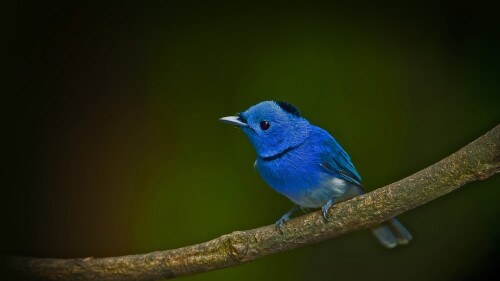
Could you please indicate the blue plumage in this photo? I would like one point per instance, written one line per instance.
(305, 163)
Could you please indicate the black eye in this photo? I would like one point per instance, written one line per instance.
(264, 125)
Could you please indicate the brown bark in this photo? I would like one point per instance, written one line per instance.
(476, 161)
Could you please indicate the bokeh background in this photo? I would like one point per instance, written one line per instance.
(112, 144)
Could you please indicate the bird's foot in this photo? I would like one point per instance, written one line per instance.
(281, 222)
(285, 217)
(326, 207)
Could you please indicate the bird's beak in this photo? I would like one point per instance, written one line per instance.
(234, 120)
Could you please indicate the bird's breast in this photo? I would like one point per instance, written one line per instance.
(298, 176)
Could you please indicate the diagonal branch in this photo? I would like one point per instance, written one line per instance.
(476, 161)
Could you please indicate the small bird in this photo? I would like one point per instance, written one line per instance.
(305, 163)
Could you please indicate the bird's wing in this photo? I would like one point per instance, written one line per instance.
(335, 160)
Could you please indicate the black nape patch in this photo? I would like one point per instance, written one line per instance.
(288, 107)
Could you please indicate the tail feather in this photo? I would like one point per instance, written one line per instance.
(392, 233)
(385, 236)
(402, 234)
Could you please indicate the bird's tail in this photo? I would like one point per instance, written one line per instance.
(391, 233)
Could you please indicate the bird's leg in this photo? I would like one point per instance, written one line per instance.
(326, 207)
(285, 217)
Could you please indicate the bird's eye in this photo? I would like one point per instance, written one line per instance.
(264, 125)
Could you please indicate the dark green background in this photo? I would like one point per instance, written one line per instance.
(112, 144)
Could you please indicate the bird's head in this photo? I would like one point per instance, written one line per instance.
(272, 127)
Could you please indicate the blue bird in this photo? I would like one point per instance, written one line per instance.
(305, 163)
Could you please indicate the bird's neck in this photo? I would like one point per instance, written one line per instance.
(279, 154)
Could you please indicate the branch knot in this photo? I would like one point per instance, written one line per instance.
(237, 244)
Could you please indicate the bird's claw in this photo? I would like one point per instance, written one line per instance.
(280, 223)
(285, 218)
(326, 207)
(324, 211)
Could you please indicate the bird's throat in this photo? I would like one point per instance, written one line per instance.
(279, 155)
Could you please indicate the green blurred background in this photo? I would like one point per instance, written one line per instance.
(112, 144)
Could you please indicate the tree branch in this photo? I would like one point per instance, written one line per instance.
(476, 161)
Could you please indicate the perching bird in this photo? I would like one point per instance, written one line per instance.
(305, 163)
